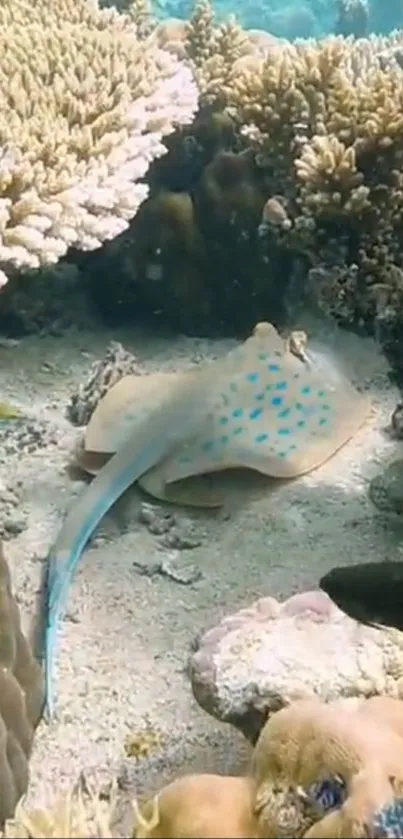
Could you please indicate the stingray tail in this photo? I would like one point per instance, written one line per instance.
(50, 645)
(58, 575)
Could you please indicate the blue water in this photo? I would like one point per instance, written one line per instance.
(299, 18)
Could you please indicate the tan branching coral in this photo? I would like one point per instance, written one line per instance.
(85, 105)
(325, 121)
(141, 14)
(213, 50)
(77, 814)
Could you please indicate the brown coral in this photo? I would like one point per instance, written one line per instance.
(21, 699)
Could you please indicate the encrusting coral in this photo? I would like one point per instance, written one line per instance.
(85, 104)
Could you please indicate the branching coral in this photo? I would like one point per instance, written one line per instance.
(325, 122)
(85, 105)
(74, 815)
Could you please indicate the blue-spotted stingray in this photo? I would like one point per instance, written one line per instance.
(265, 406)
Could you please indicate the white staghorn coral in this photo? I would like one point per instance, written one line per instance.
(85, 106)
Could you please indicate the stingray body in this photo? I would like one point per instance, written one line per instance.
(370, 592)
(264, 406)
(279, 413)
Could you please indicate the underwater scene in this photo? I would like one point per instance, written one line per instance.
(201, 419)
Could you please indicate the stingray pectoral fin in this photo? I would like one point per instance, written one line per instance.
(91, 462)
(179, 419)
(194, 491)
(127, 405)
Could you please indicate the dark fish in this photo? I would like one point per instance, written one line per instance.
(371, 592)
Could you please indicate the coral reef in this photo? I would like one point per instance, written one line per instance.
(286, 186)
(21, 699)
(317, 770)
(85, 104)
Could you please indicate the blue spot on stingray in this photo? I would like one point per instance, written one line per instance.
(281, 386)
(323, 421)
(207, 446)
(238, 430)
(299, 406)
(274, 368)
(252, 377)
(269, 387)
(284, 432)
(224, 439)
(282, 454)
(234, 387)
(259, 397)
(306, 390)
(277, 400)
(284, 413)
(321, 393)
(223, 420)
(326, 407)
(237, 412)
(301, 423)
(263, 356)
(256, 413)
(261, 438)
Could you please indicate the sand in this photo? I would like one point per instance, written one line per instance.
(125, 641)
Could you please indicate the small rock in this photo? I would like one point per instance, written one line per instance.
(158, 521)
(103, 374)
(386, 489)
(13, 524)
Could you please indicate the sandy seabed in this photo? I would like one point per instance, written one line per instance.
(127, 634)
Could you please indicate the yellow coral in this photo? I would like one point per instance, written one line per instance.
(84, 107)
(72, 816)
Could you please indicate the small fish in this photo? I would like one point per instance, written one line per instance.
(370, 593)
(9, 412)
(274, 214)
